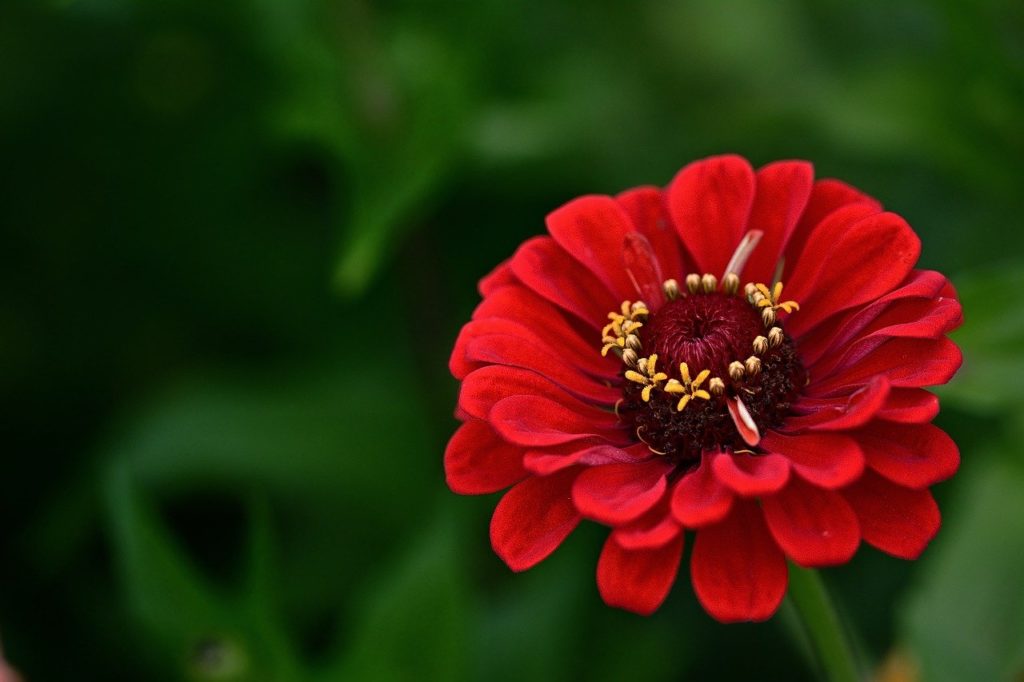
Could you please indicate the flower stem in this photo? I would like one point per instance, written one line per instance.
(822, 626)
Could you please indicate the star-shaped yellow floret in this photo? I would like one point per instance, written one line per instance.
(772, 297)
(622, 324)
(689, 388)
(647, 375)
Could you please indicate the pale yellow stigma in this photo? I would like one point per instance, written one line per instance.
(689, 388)
(647, 375)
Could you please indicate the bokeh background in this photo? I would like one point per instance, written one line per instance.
(241, 236)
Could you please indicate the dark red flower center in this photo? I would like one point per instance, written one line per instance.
(753, 373)
(706, 331)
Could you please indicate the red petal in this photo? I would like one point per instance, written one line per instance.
(915, 456)
(484, 387)
(827, 197)
(532, 519)
(542, 265)
(910, 406)
(844, 266)
(738, 572)
(750, 475)
(896, 520)
(504, 349)
(498, 277)
(837, 331)
(533, 422)
(583, 357)
(840, 413)
(542, 319)
(591, 229)
(477, 461)
(646, 209)
(814, 527)
(617, 493)
(906, 363)
(710, 203)
(783, 189)
(908, 318)
(552, 459)
(637, 580)
(828, 460)
(699, 498)
(654, 529)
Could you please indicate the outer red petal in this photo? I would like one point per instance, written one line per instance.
(709, 202)
(827, 197)
(477, 461)
(552, 459)
(532, 519)
(545, 267)
(814, 527)
(906, 363)
(483, 331)
(844, 266)
(828, 460)
(840, 413)
(750, 475)
(829, 333)
(783, 189)
(498, 277)
(738, 572)
(592, 230)
(654, 529)
(910, 406)
(699, 498)
(908, 318)
(532, 421)
(473, 352)
(617, 493)
(637, 580)
(913, 455)
(484, 387)
(896, 520)
(525, 307)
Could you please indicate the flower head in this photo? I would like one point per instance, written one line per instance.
(770, 407)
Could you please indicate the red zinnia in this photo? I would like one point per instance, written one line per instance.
(772, 422)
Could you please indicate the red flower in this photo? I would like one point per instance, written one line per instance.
(644, 367)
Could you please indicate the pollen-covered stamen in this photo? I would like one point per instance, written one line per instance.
(688, 388)
(693, 282)
(730, 283)
(647, 375)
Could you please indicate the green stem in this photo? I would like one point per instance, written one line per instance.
(822, 626)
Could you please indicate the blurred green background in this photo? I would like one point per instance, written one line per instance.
(240, 238)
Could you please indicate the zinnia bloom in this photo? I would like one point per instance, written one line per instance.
(741, 356)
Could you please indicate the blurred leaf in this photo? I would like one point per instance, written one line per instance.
(992, 339)
(414, 625)
(389, 101)
(965, 621)
(213, 636)
(342, 433)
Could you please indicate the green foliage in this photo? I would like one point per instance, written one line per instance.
(965, 620)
